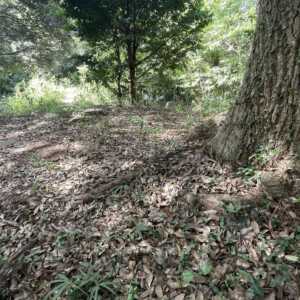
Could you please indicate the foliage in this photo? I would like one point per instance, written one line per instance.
(215, 72)
(36, 96)
(34, 37)
(132, 293)
(10, 76)
(46, 94)
(137, 37)
(36, 30)
(87, 284)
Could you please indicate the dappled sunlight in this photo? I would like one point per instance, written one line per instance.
(30, 147)
(38, 125)
(115, 192)
(149, 150)
(12, 135)
(70, 95)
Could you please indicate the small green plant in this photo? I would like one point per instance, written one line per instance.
(143, 125)
(152, 130)
(142, 231)
(139, 197)
(282, 275)
(133, 290)
(296, 200)
(184, 258)
(3, 260)
(249, 173)
(233, 208)
(172, 144)
(38, 162)
(138, 121)
(88, 284)
(188, 277)
(205, 267)
(264, 155)
(255, 290)
(67, 237)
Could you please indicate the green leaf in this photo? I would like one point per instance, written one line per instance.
(292, 258)
(255, 286)
(206, 268)
(188, 276)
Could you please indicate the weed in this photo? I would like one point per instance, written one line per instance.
(152, 130)
(172, 144)
(88, 284)
(184, 258)
(250, 174)
(233, 208)
(264, 155)
(296, 200)
(38, 162)
(138, 121)
(133, 290)
(3, 260)
(255, 291)
(187, 277)
(67, 237)
(142, 231)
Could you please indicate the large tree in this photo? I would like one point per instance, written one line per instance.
(139, 35)
(267, 111)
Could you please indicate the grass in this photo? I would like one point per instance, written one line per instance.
(22, 104)
(88, 284)
(46, 95)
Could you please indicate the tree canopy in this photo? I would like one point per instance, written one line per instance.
(142, 36)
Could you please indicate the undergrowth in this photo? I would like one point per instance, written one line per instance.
(88, 284)
(42, 94)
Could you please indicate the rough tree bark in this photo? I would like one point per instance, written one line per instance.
(132, 49)
(267, 111)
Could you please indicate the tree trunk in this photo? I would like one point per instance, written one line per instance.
(267, 111)
(131, 52)
(132, 80)
(119, 74)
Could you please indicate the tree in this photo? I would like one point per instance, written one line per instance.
(33, 37)
(267, 111)
(140, 34)
(30, 30)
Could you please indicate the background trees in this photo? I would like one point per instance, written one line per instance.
(202, 72)
(139, 36)
(32, 34)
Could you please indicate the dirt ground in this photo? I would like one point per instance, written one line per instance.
(124, 198)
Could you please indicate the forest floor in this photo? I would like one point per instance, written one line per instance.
(124, 206)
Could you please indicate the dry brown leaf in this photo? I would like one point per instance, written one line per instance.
(272, 296)
(180, 297)
(159, 292)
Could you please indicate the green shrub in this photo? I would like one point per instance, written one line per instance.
(45, 95)
(38, 95)
(217, 70)
(91, 94)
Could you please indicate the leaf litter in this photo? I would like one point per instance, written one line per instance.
(125, 207)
